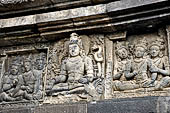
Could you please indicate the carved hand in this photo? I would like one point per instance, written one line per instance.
(83, 80)
(135, 72)
(15, 82)
(28, 89)
(10, 94)
(154, 69)
(50, 85)
(23, 87)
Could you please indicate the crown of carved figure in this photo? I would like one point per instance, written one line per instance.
(27, 59)
(75, 39)
(142, 43)
(159, 42)
(120, 45)
(15, 62)
(155, 43)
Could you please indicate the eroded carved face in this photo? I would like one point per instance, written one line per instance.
(154, 51)
(139, 52)
(122, 53)
(27, 66)
(40, 64)
(74, 50)
(14, 70)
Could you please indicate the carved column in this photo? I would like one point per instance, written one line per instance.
(168, 39)
(110, 61)
(109, 67)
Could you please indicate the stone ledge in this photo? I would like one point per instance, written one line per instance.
(126, 105)
(42, 6)
(99, 18)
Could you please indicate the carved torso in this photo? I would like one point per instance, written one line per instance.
(121, 68)
(75, 68)
(161, 63)
(29, 79)
(140, 66)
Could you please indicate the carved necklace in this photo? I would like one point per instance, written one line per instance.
(74, 60)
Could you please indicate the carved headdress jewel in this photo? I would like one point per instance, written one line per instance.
(75, 39)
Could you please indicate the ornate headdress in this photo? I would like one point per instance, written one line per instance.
(155, 43)
(142, 43)
(75, 39)
(28, 58)
(15, 62)
(120, 45)
(159, 42)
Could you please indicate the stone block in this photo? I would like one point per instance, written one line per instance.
(128, 105)
(127, 4)
(66, 108)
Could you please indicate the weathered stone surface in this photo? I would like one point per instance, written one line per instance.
(134, 105)
(17, 110)
(67, 108)
(104, 51)
(97, 18)
(128, 4)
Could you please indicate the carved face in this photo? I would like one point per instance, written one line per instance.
(122, 53)
(27, 66)
(154, 51)
(40, 64)
(74, 50)
(100, 89)
(139, 52)
(14, 70)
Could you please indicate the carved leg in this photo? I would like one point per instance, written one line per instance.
(28, 96)
(77, 90)
(121, 86)
(153, 79)
(165, 82)
(6, 97)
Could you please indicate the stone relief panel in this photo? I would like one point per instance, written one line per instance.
(86, 68)
(76, 69)
(22, 75)
(141, 65)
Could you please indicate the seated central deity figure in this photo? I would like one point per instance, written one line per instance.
(76, 70)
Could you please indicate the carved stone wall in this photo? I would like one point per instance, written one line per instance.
(86, 68)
